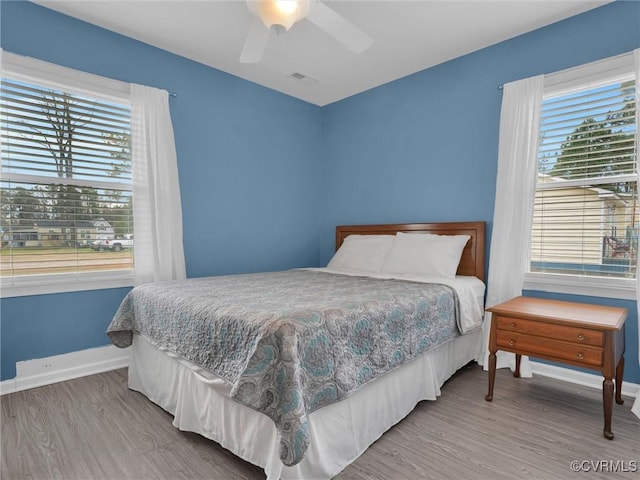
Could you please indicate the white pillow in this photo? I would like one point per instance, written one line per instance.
(425, 254)
(365, 253)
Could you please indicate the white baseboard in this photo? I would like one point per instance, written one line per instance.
(45, 371)
(580, 378)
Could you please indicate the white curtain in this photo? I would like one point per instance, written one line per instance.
(157, 212)
(515, 192)
(636, 54)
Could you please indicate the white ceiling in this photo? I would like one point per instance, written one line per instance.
(409, 36)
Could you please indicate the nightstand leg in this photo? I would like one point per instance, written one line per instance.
(492, 375)
(518, 359)
(619, 374)
(607, 401)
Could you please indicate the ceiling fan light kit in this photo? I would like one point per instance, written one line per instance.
(281, 15)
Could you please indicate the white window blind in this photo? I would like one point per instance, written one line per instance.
(586, 216)
(66, 194)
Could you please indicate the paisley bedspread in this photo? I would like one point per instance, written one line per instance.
(291, 342)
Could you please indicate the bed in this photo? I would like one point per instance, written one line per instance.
(302, 370)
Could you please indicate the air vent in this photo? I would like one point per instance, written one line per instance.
(301, 77)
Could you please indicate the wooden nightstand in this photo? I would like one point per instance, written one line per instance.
(588, 336)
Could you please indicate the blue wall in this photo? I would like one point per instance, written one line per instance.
(423, 148)
(46, 325)
(248, 160)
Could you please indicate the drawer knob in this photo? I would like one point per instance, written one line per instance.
(580, 355)
(580, 337)
(512, 342)
(512, 324)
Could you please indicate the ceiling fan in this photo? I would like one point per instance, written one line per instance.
(282, 14)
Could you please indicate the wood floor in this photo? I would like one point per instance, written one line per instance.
(94, 427)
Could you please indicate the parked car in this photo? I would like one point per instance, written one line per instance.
(115, 244)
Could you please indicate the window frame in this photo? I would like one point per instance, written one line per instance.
(602, 72)
(53, 76)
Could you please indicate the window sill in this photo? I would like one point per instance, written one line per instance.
(61, 283)
(621, 288)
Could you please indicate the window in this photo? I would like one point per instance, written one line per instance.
(65, 186)
(586, 214)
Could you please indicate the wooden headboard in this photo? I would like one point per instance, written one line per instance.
(472, 261)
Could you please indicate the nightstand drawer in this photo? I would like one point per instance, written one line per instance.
(547, 347)
(559, 332)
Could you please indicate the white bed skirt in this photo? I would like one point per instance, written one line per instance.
(339, 433)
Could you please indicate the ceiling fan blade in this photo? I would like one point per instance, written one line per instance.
(339, 27)
(255, 43)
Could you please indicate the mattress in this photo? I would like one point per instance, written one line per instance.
(339, 433)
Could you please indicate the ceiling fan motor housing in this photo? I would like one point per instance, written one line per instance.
(281, 13)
